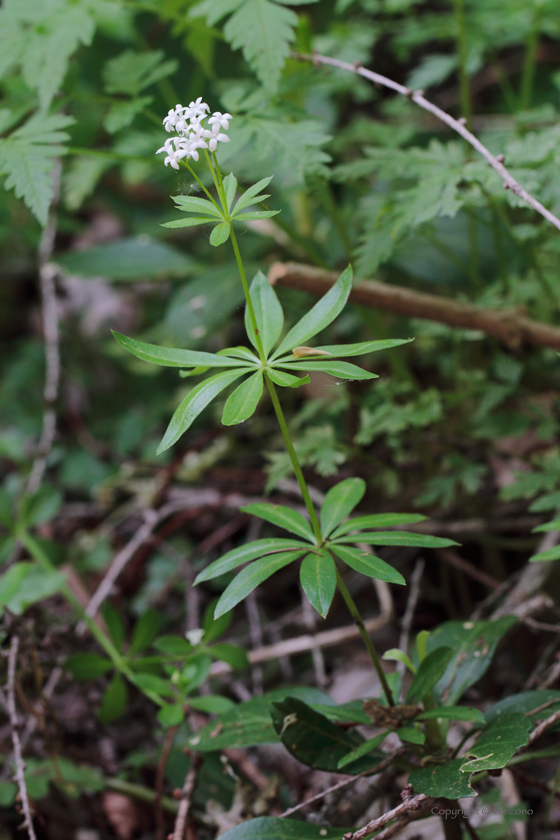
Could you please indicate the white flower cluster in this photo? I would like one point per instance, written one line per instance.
(191, 132)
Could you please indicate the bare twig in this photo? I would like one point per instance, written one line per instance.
(413, 804)
(402, 822)
(456, 125)
(186, 797)
(455, 560)
(344, 783)
(541, 728)
(508, 326)
(408, 616)
(18, 758)
(47, 276)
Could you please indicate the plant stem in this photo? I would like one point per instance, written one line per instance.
(354, 612)
(199, 182)
(248, 300)
(530, 62)
(294, 459)
(462, 55)
(35, 550)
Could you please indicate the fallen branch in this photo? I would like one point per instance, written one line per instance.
(541, 728)
(457, 125)
(509, 326)
(415, 803)
(186, 797)
(14, 724)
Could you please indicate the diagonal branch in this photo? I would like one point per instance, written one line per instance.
(508, 326)
(456, 125)
(14, 723)
(415, 803)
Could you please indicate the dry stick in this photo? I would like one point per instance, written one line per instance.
(186, 797)
(413, 804)
(455, 560)
(47, 276)
(402, 822)
(507, 325)
(408, 616)
(378, 769)
(18, 758)
(541, 728)
(456, 125)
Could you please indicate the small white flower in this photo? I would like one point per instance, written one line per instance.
(171, 120)
(171, 153)
(219, 120)
(213, 143)
(195, 636)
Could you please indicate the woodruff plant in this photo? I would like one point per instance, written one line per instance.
(326, 542)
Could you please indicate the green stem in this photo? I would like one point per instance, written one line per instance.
(250, 308)
(199, 182)
(354, 612)
(35, 550)
(530, 62)
(462, 54)
(294, 459)
(141, 793)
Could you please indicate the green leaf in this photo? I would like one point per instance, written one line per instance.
(442, 780)
(240, 353)
(474, 643)
(155, 684)
(546, 556)
(343, 370)
(121, 114)
(406, 538)
(363, 749)
(396, 655)
(131, 258)
(378, 520)
(274, 828)
(214, 628)
(340, 501)
(174, 646)
(320, 315)
(194, 403)
(286, 380)
(430, 671)
(251, 195)
(114, 622)
(249, 723)
(255, 215)
(87, 666)
(191, 221)
(115, 700)
(452, 713)
(211, 704)
(498, 743)
(245, 553)
(190, 203)
(35, 586)
(26, 158)
(220, 234)
(268, 313)
(411, 734)
(131, 71)
(525, 701)
(283, 517)
(232, 654)
(171, 715)
(145, 631)
(264, 31)
(41, 506)
(230, 188)
(344, 350)
(12, 582)
(313, 739)
(367, 564)
(243, 402)
(318, 579)
(248, 579)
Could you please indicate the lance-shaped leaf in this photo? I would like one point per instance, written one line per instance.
(192, 204)
(172, 356)
(255, 215)
(367, 564)
(251, 195)
(276, 828)
(240, 353)
(230, 188)
(268, 313)
(344, 350)
(321, 315)
(194, 403)
(378, 520)
(250, 577)
(220, 234)
(282, 516)
(191, 221)
(242, 403)
(318, 579)
(452, 713)
(363, 749)
(406, 538)
(431, 670)
(245, 553)
(340, 501)
(343, 370)
(286, 380)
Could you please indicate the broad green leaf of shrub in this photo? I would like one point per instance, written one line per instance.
(248, 579)
(430, 671)
(367, 564)
(524, 702)
(318, 578)
(274, 828)
(442, 780)
(26, 158)
(268, 313)
(245, 553)
(498, 743)
(340, 501)
(36, 585)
